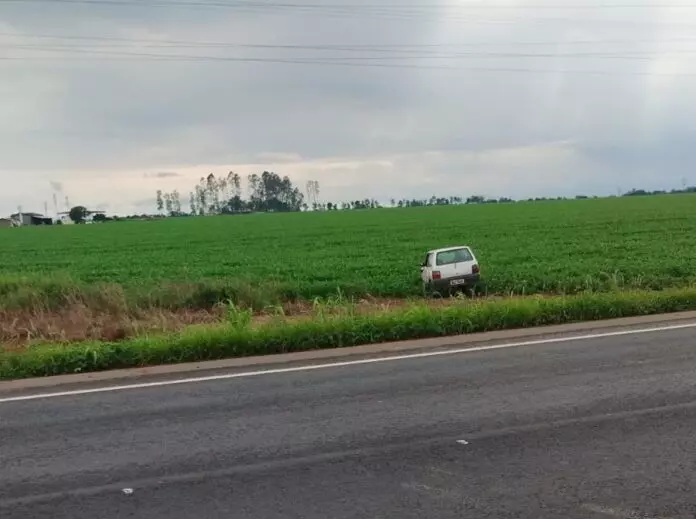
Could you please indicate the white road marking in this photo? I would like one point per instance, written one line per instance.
(417, 486)
(312, 367)
(128, 491)
(618, 512)
(462, 442)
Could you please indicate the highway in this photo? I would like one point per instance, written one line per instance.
(598, 427)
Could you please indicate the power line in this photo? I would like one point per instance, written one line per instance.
(372, 55)
(414, 55)
(358, 6)
(349, 62)
(403, 12)
(403, 51)
(351, 46)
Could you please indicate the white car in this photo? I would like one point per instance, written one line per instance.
(453, 268)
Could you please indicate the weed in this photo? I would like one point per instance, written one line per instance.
(236, 338)
(239, 318)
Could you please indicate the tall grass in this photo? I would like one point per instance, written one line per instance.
(55, 292)
(236, 338)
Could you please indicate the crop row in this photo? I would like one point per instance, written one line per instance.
(551, 247)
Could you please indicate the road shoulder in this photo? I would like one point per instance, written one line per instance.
(344, 354)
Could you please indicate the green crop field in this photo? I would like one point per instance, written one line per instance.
(560, 247)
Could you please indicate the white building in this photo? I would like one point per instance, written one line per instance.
(65, 219)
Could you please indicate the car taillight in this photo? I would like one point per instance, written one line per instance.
(475, 269)
(437, 275)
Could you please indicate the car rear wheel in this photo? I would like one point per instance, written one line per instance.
(429, 290)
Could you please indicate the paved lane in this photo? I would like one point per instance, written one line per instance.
(596, 428)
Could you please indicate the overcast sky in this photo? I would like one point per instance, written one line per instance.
(534, 98)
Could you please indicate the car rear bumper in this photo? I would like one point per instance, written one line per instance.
(460, 281)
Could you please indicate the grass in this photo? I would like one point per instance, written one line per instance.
(237, 337)
(128, 293)
(260, 260)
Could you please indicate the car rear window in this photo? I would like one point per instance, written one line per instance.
(453, 256)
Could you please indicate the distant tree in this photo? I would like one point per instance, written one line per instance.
(234, 184)
(78, 214)
(221, 194)
(267, 192)
(637, 192)
(213, 194)
(201, 198)
(160, 201)
(228, 192)
(313, 191)
(176, 202)
(255, 191)
(234, 205)
(168, 205)
(270, 192)
(100, 217)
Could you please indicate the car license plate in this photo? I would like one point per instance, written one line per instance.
(456, 282)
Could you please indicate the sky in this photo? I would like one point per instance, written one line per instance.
(106, 101)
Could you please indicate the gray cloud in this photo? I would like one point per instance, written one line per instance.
(510, 102)
(162, 174)
(143, 205)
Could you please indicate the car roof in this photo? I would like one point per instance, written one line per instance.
(447, 249)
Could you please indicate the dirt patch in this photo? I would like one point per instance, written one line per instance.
(79, 323)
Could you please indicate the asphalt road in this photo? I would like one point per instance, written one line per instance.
(585, 429)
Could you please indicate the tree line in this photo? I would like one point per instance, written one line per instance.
(269, 192)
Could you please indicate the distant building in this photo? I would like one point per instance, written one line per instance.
(30, 219)
(64, 217)
(5, 223)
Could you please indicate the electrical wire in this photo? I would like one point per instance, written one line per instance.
(356, 6)
(374, 55)
(419, 55)
(346, 62)
(403, 12)
(381, 47)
